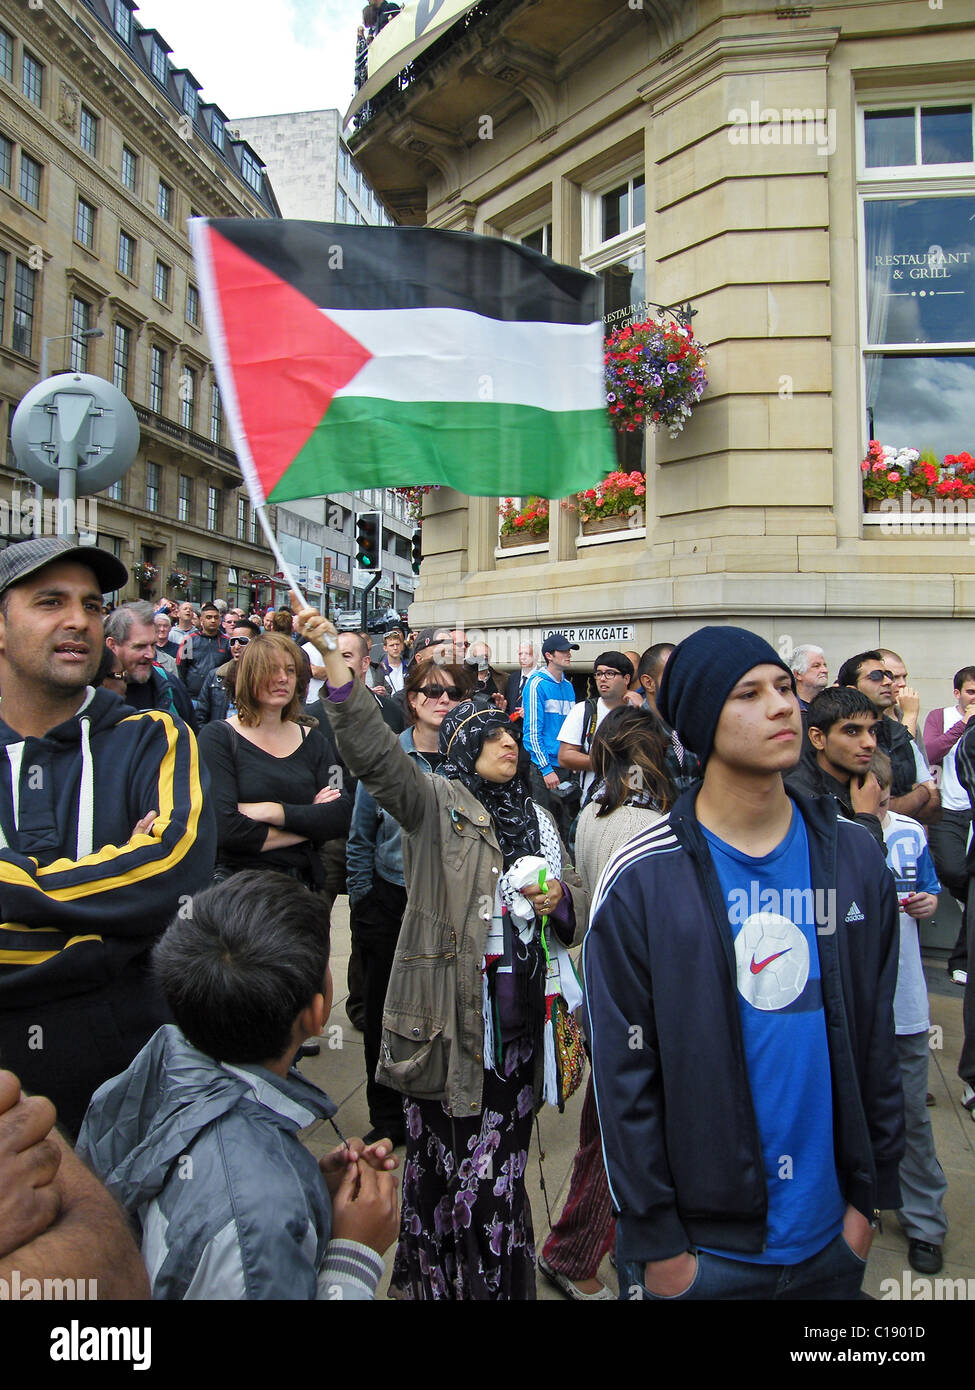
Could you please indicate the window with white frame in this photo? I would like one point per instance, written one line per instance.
(189, 99)
(153, 473)
(6, 160)
(32, 82)
(193, 305)
(160, 282)
(25, 284)
(216, 130)
(917, 254)
(157, 379)
(159, 63)
(80, 323)
(6, 55)
(216, 414)
(88, 131)
(130, 166)
(184, 499)
(251, 170)
(164, 201)
(213, 510)
(187, 397)
(30, 180)
(539, 239)
(123, 21)
(241, 518)
(126, 255)
(121, 352)
(614, 248)
(84, 226)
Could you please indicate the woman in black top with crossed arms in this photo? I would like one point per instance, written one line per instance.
(277, 786)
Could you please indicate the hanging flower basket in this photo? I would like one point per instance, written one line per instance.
(523, 525)
(655, 374)
(179, 581)
(414, 500)
(144, 574)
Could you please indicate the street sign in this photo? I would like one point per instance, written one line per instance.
(609, 632)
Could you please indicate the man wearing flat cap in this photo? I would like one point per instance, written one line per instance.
(740, 970)
(103, 829)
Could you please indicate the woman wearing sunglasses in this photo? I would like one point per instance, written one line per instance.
(217, 698)
(374, 874)
(276, 784)
(464, 1027)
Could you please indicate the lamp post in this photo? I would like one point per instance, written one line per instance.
(65, 337)
(81, 333)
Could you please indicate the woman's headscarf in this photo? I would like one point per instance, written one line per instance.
(509, 804)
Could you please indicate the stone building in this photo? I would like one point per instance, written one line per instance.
(106, 149)
(804, 176)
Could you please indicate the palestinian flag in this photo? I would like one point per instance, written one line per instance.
(358, 357)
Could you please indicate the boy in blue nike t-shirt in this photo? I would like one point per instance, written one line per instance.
(740, 969)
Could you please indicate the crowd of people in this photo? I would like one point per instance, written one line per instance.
(746, 848)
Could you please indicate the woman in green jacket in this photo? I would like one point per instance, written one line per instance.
(464, 1028)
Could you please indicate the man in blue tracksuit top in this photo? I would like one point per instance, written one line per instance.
(740, 970)
(548, 699)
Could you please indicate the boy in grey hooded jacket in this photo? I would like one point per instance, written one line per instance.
(198, 1138)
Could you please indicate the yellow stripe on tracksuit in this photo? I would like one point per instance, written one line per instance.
(37, 957)
(109, 855)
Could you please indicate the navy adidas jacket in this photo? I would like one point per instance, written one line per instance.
(680, 1139)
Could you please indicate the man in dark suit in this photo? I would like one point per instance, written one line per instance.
(516, 681)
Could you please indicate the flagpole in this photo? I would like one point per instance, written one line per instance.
(285, 569)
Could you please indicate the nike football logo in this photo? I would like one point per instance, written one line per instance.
(757, 967)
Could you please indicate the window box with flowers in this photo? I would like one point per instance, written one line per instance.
(908, 481)
(615, 505)
(523, 523)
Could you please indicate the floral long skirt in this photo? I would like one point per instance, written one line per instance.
(466, 1225)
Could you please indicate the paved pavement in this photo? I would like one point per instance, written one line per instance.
(340, 1070)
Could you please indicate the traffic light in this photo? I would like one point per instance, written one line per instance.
(416, 549)
(369, 541)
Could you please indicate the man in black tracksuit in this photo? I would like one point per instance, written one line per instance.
(740, 969)
(203, 651)
(841, 736)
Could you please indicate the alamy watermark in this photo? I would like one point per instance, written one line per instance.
(928, 516)
(25, 1290)
(772, 125)
(26, 516)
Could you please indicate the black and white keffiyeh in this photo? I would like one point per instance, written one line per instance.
(509, 804)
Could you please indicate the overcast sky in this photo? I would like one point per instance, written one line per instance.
(262, 57)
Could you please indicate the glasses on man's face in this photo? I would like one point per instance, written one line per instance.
(241, 641)
(434, 692)
(602, 674)
(878, 676)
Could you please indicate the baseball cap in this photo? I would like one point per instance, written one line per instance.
(558, 642)
(616, 661)
(20, 561)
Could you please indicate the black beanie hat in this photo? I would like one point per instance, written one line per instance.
(700, 675)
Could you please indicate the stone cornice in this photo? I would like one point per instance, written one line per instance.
(771, 51)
